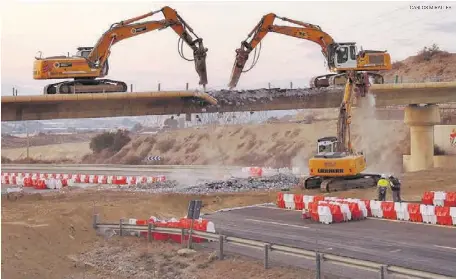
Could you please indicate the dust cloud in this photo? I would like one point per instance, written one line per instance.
(380, 140)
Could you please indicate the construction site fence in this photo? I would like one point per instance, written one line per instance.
(383, 270)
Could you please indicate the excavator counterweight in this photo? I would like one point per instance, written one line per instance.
(91, 63)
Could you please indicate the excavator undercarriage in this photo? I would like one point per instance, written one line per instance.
(86, 86)
(339, 80)
(334, 184)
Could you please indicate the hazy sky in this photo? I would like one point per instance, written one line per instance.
(56, 28)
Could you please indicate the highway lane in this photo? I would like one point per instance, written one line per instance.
(417, 246)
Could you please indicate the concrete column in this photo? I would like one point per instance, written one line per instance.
(421, 120)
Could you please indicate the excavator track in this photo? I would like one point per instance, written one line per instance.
(334, 80)
(334, 184)
(81, 86)
(320, 81)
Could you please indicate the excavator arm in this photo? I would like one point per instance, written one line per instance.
(356, 86)
(304, 31)
(130, 28)
(344, 120)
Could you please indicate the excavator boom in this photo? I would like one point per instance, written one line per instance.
(85, 68)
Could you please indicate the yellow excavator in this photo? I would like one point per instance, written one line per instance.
(340, 57)
(91, 63)
(337, 166)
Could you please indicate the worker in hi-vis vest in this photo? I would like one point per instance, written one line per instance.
(382, 186)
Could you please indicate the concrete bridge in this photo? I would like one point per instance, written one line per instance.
(421, 113)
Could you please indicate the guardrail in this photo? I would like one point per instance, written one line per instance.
(382, 269)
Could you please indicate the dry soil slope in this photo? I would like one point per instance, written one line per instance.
(275, 145)
(440, 67)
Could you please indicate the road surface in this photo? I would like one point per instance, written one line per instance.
(416, 246)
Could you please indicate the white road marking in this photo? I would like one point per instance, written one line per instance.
(409, 222)
(446, 247)
(284, 209)
(276, 223)
(397, 250)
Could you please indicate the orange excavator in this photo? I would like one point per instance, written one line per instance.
(91, 63)
(340, 57)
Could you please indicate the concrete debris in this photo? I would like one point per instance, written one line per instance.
(157, 185)
(234, 97)
(278, 181)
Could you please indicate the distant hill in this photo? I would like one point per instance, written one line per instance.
(430, 64)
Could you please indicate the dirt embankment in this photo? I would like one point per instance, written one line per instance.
(46, 148)
(283, 144)
(53, 153)
(269, 145)
(425, 66)
(41, 139)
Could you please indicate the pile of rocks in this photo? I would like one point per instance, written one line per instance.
(278, 181)
(168, 184)
(245, 96)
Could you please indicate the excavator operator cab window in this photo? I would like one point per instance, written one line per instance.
(353, 52)
(83, 53)
(326, 146)
(346, 56)
(342, 55)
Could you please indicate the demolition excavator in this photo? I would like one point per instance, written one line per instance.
(337, 166)
(91, 63)
(340, 57)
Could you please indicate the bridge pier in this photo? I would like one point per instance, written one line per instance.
(421, 120)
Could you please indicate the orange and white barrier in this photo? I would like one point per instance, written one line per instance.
(439, 198)
(57, 181)
(324, 209)
(183, 223)
(253, 171)
(333, 209)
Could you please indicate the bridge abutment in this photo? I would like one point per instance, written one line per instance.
(421, 120)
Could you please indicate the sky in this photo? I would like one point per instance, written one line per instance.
(58, 27)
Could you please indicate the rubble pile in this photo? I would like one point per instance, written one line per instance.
(168, 184)
(234, 97)
(278, 181)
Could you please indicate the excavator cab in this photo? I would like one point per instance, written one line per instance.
(346, 54)
(83, 52)
(326, 145)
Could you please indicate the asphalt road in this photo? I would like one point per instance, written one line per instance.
(416, 246)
